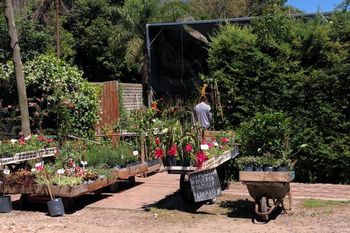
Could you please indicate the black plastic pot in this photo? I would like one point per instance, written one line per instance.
(268, 169)
(248, 168)
(282, 169)
(5, 204)
(258, 169)
(56, 207)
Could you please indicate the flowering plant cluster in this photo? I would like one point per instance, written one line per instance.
(190, 153)
(23, 144)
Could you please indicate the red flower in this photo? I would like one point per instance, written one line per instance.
(188, 148)
(154, 106)
(172, 151)
(201, 158)
(49, 140)
(224, 140)
(157, 140)
(158, 153)
(41, 138)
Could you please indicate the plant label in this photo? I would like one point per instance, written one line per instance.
(204, 147)
(6, 171)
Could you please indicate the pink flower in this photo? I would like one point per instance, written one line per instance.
(21, 141)
(201, 158)
(172, 151)
(224, 140)
(188, 148)
(210, 145)
(39, 168)
(158, 153)
(32, 104)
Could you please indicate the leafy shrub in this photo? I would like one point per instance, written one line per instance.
(298, 67)
(264, 134)
(59, 96)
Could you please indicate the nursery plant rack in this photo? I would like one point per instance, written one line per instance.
(217, 165)
(29, 155)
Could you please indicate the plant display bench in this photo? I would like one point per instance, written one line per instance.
(205, 183)
(153, 166)
(68, 193)
(130, 172)
(268, 190)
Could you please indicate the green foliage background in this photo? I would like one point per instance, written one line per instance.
(300, 68)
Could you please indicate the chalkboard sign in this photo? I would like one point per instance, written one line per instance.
(205, 185)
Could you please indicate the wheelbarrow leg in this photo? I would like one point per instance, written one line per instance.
(290, 200)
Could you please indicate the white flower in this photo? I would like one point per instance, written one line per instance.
(216, 144)
(33, 170)
(28, 137)
(135, 153)
(13, 141)
(204, 147)
(60, 171)
(154, 120)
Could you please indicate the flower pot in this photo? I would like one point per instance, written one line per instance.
(268, 169)
(282, 169)
(172, 161)
(248, 168)
(186, 162)
(5, 204)
(258, 169)
(55, 207)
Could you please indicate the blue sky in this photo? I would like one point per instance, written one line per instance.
(310, 6)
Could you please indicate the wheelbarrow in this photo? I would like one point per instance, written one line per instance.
(268, 189)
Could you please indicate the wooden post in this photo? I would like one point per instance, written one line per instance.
(142, 142)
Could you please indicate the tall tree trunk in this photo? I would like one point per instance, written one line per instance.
(22, 93)
(58, 38)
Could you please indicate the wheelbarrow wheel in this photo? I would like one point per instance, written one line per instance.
(263, 206)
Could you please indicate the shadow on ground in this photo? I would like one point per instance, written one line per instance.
(175, 202)
(246, 209)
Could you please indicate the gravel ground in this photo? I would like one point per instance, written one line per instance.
(229, 214)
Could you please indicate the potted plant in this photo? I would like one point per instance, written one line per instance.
(246, 163)
(5, 201)
(55, 206)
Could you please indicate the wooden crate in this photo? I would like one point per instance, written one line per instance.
(253, 176)
(125, 173)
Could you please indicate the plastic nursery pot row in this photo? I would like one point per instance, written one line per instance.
(265, 169)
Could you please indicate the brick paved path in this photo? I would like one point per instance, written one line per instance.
(156, 187)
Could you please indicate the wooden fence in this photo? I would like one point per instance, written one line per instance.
(131, 97)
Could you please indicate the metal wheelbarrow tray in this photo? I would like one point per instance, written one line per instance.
(268, 189)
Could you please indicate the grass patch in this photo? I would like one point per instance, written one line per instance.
(315, 203)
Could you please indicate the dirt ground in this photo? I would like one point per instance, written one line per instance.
(228, 214)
